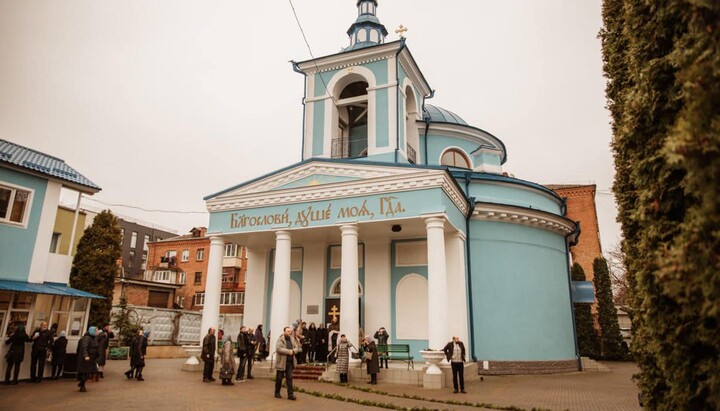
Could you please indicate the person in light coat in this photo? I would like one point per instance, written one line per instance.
(227, 361)
(285, 348)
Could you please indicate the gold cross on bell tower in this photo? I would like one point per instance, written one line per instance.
(401, 31)
(334, 312)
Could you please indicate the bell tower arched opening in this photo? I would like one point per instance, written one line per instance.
(412, 139)
(350, 118)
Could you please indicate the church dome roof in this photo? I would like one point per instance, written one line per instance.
(440, 115)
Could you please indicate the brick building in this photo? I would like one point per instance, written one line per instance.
(581, 208)
(135, 239)
(182, 261)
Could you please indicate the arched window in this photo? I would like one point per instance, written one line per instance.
(454, 157)
(412, 140)
(352, 127)
(335, 289)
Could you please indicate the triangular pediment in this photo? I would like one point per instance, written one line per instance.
(318, 180)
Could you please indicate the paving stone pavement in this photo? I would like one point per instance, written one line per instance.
(167, 387)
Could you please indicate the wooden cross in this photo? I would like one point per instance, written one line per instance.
(401, 31)
(334, 312)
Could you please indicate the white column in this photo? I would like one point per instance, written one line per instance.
(349, 311)
(255, 288)
(437, 283)
(213, 286)
(280, 304)
(457, 289)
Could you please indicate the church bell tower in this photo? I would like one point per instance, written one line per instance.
(367, 31)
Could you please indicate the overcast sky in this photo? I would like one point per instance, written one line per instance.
(162, 102)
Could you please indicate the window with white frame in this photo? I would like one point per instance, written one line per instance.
(231, 250)
(55, 243)
(14, 204)
(146, 240)
(143, 265)
(131, 260)
(232, 298)
(185, 256)
(133, 239)
(163, 276)
(199, 299)
(200, 255)
(228, 278)
(180, 301)
(182, 277)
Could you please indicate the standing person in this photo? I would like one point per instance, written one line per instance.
(382, 337)
(208, 355)
(243, 345)
(455, 353)
(251, 352)
(262, 344)
(333, 331)
(371, 358)
(16, 353)
(59, 353)
(103, 340)
(42, 339)
(312, 347)
(300, 338)
(87, 354)
(138, 348)
(343, 358)
(227, 361)
(285, 348)
(321, 351)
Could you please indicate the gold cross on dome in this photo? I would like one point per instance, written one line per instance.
(334, 312)
(401, 31)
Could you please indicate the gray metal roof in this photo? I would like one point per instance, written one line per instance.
(440, 115)
(23, 157)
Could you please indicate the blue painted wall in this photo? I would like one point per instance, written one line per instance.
(521, 299)
(17, 243)
(511, 194)
(318, 128)
(396, 274)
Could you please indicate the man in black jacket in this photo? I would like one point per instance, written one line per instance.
(455, 353)
(243, 346)
(208, 355)
(42, 341)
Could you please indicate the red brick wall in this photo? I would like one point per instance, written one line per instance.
(136, 294)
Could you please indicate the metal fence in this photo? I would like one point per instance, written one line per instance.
(176, 327)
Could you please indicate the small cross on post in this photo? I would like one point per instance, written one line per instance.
(401, 31)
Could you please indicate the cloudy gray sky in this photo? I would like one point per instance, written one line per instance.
(161, 102)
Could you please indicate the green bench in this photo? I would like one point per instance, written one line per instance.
(396, 352)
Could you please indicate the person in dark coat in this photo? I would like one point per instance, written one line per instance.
(262, 344)
(103, 340)
(321, 349)
(42, 339)
(455, 353)
(138, 349)
(243, 348)
(372, 360)
(382, 337)
(16, 353)
(59, 353)
(208, 355)
(313, 337)
(87, 353)
(251, 353)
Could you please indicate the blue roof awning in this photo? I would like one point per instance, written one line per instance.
(45, 288)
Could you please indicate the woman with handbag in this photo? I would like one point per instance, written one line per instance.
(372, 359)
(227, 361)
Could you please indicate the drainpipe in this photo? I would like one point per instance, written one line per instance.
(468, 258)
(297, 70)
(575, 231)
(397, 98)
(427, 124)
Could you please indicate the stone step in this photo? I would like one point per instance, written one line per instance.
(591, 365)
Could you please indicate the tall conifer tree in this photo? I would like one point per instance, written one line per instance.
(663, 68)
(587, 336)
(95, 264)
(611, 339)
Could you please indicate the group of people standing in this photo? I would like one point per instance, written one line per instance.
(46, 347)
(250, 343)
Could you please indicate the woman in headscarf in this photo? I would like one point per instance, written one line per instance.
(262, 345)
(15, 353)
(138, 348)
(343, 358)
(372, 359)
(59, 352)
(227, 360)
(87, 354)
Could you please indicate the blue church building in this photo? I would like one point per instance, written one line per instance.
(400, 216)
